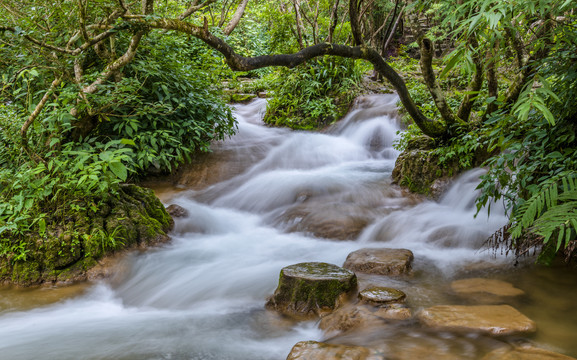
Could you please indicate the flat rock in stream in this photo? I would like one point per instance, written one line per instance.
(313, 350)
(309, 290)
(485, 290)
(361, 316)
(525, 353)
(382, 295)
(380, 261)
(488, 319)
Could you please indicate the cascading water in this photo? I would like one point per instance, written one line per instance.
(202, 296)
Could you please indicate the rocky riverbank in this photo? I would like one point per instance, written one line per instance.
(349, 310)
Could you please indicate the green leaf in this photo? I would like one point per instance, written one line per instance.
(119, 169)
(128, 142)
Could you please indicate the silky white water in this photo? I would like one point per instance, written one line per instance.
(202, 296)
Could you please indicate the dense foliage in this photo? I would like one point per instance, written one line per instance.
(325, 90)
(96, 93)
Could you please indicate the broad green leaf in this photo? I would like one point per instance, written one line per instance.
(119, 170)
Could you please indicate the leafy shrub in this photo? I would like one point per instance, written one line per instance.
(314, 94)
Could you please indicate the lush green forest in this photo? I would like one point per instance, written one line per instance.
(99, 94)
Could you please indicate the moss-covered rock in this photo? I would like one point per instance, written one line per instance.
(67, 251)
(309, 290)
(418, 168)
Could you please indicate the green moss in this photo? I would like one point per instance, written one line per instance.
(241, 98)
(311, 288)
(67, 251)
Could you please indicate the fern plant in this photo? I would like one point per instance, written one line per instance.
(551, 214)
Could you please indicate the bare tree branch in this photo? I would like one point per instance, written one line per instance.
(236, 17)
(194, 8)
(33, 116)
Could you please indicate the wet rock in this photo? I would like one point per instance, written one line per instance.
(485, 290)
(380, 261)
(312, 350)
(241, 98)
(262, 94)
(489, 319)
(525, 353)
(382, 295)
(176, 211)
(309, 290)
(343, 222)
(362, 317)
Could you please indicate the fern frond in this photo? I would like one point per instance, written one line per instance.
(559, 221)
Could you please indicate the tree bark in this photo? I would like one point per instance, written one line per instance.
(333, 21)
(355, 24)
(426, 62)
(236, 17)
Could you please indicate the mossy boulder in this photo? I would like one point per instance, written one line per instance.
(310, 290)
(68, 250)
(418, 168)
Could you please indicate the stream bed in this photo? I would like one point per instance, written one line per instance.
(268, 198)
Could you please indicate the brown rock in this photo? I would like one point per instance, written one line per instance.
(343, 222)
(312, 289)
(380, 261)
(485, 290)
(490, 319)
(382, 295)
(525, 353)
(176, 211)
(362, 317)
(312, 350)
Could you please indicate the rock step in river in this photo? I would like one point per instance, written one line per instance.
(315, 289)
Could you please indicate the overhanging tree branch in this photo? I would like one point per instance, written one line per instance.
(241, 63)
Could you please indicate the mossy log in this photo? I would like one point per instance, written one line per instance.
(309, 290)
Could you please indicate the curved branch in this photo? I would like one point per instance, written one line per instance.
(33, 116)
(194, 8)
(466, 106)
(241, 63)
(426, 62)
(236, 17)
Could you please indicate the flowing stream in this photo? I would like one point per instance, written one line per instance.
(265, 199)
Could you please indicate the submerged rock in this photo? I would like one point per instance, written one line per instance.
(525, 353)
(485, 290)
(362, 317)
(313, 350)
(489, 319)
(176, 211)
(309, 290)
(382, 295)
(380, 261)
(343, 222)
